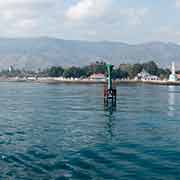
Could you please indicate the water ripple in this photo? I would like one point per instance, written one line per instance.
(64, 132)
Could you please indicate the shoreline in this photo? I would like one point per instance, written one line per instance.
(88, 81)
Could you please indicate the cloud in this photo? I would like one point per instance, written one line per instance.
(104, 11)
(169, 32)
(86, 9)
(178, 3)
(26, 17)
(72, 19)
(57, 18)
(26, 24)
(133, 15)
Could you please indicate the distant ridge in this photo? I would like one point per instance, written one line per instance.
(42, 52)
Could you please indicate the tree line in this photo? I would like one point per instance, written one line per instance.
(123, 71)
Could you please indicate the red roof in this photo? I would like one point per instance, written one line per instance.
(97, 76)
(178, 76)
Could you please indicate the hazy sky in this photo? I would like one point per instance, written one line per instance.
(131, 21)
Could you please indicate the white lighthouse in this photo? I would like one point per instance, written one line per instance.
(173, 76)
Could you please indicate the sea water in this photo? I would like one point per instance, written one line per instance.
(63, 131)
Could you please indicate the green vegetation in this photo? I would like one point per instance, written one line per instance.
(123, 71)
(55, 71)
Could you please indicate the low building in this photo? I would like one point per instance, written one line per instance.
(145, 76)
(178, 76)
(31, 78)
(173, 77)
(97, 76)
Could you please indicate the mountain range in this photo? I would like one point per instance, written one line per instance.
(43, 52)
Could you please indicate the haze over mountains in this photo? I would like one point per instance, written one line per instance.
(34, 53)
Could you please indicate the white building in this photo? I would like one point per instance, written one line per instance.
(98, 76)
(173, 77)
(145, 76)
(10, 69)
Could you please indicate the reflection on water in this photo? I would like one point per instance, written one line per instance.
(171, 100)
(64, 132)
(110, 109)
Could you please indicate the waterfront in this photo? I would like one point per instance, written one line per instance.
(57, 80)
(61, 131)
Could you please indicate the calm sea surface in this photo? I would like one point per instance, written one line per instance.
(64, 132)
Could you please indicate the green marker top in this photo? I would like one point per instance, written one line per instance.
(109, 71)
